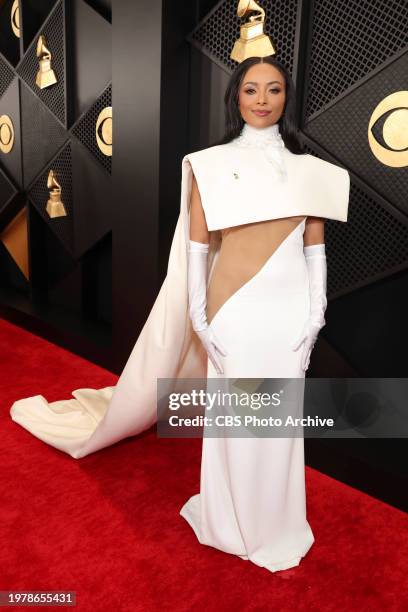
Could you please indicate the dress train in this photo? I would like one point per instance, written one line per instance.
(166, 347)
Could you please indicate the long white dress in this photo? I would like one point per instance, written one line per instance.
(252, 499)
(252, 491)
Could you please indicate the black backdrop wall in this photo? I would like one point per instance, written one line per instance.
(87, 280)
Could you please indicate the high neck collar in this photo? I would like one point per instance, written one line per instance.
(260, 137)
(269, 142)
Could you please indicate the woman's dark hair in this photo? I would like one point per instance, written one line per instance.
(233, 119)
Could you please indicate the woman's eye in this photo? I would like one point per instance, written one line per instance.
(249, 91)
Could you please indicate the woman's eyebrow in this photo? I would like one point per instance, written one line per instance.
(254, 83)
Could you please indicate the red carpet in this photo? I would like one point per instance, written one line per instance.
(107, 526)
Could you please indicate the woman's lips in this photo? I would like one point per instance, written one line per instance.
(262, 113)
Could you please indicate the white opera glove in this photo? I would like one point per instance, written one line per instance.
(197, 296)
(315, 256)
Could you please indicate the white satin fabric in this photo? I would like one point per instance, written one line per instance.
(252, 500)
(243, 182)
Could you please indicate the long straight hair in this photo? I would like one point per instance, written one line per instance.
(287, 122)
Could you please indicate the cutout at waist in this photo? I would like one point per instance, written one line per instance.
(244, 250)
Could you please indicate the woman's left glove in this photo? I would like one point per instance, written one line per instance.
(315, 256)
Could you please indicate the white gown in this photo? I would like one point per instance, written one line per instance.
(252, 490)
(252, 499)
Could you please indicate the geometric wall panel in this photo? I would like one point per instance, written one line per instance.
(9, 106)
(39, 195)
(70, 257)
(32, 15)
(15, 239)
(11, 276)
(92, 188)
(89, 57)
(54, 32)
(104, 8)
(42, 134)
(7, 191)
(372, 244)
(84, 129)
(217, 32)
(9, 42)
(6, 75)
(342, 130)
(349, 39)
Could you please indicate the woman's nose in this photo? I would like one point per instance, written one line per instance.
(261, 98)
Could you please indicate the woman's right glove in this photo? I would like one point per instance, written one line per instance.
(197, 295)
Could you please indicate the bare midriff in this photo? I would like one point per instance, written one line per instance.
(244, 250)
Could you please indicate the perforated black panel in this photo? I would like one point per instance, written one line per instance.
(372, 243)
(54, 32)
(39, 194)
(84, 129)
(218, 32)
(342, 129)
(42, 134)
(349, 39)
(6, 76)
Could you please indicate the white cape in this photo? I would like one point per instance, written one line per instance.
(167, 347)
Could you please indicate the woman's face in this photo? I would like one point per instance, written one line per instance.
(262, 95)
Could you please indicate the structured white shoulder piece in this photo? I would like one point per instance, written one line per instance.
(237, 186)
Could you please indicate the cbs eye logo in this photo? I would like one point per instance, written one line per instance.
(390, 119)
(15, 18)
(6, 134)
(103, 131)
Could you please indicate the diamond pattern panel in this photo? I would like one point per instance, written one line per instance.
(53, 96)
(42, 134)
(39, 194)
(84, 129)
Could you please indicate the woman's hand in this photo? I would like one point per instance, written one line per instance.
(308, 338)
(213, 346)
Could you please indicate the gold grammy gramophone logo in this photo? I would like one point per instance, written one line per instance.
(15, 18)
(55, 206)
(103, 131)
(45, 75)
(252, 40)
(6, 134)
(394, 131)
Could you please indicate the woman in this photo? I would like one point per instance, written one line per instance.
(258, 317)
(244, 296)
